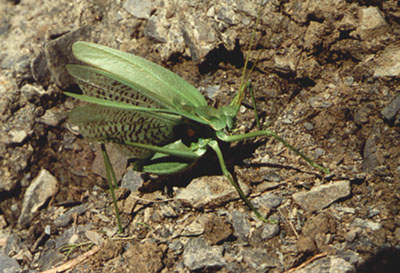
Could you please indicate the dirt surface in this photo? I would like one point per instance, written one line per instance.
(326, 80)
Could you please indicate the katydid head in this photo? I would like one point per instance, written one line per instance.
(219, 119)
(229, 112)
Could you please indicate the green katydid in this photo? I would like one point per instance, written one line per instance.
(158, 117)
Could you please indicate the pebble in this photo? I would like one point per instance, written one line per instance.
(132, 180)
(267, 200)
(42, 187)
(370, 161)
(241, 225)
(8, 264)
(210, 191)
(322, 196)
(199, 256)
(259, 259)
(139, 8)
(372, 23)
(308, 125)
(327, 264)
(391, 110)
(358, 222)
(269, 231)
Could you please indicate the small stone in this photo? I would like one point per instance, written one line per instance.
(8, 61)
(94, 237)
(388, 63)
(358, 222)
(210, 191)
(346, 209)
(22, 65)
(362, 115)
(34, 93)
(259, 259)
(391, 110)
(272, 177)
(42, 187)
(141, 9)
(211, 91)
(8, 264)
(164, 232)
(322, 196)
(370, 161)
(53, 117)
(267, 200)
(340, 265)
(132, 180)
(328, 264)
(308, 126)
(40, 70)
(266, 186)
(176, 246)
(17, 136)
(285, 64)
(195, 228)
(319, 102)
(372, 23)
(211, 12)
(350, 256)
(47, 230)
(269, 231)
(153, 30)
(373, 212)
(351, 235)
(226, 15)
(198, 255)
(53, 255)
(64, 219)
(167, 211)
(241, 225)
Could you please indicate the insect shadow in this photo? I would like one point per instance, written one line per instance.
(220, 54)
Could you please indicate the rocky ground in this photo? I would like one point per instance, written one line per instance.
(327, 80)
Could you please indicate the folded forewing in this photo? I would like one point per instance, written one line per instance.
(147, 76)
(100, 84)
(108, 124)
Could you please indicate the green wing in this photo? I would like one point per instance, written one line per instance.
(108, 89)
(108, 124)
(148, 78)
(103, 85)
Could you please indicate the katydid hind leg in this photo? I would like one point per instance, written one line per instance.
(112, 183)
(266, 133)
(214, 145)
